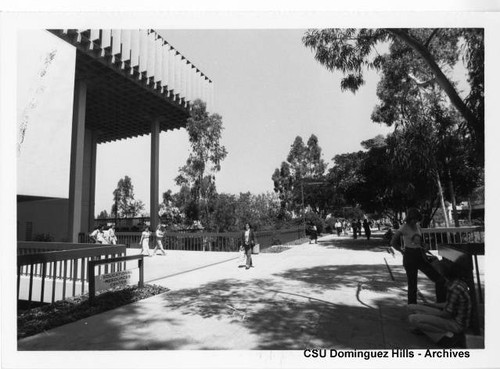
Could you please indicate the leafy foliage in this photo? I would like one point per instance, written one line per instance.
(205, 159)
(426, 56)
(124, 203)
(303, 169)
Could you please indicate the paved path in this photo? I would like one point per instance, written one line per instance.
(340, 293)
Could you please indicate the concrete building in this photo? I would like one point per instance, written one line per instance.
(127, 83)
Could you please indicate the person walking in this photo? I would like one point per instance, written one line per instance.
(354, 225)
(409, 238)
(248, 242)
(338, 227)
(144, 242)
(359, 226)
(160, 232)
(366, 227)
(313, 234)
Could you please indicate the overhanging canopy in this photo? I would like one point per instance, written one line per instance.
(134, 77)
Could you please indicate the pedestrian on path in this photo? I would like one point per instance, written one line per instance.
(445, 323)
(366, 227)
(409, 238)
(160, 232)
(248, 242)
(354, 225)
(112, 235)
(313, 234)
(338, 227)
(144, 242)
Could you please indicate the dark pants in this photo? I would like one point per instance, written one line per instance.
(354, 233)
(248, 253)
(368, 232)
(413, 261)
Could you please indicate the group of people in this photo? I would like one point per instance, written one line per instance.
(446, 320)
(104, 236)
(108, 237)
(146, 235)
(342, 226)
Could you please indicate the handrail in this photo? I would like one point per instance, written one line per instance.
(69, 254)
(453, 229)
(59, 267)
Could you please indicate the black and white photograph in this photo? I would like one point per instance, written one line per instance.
(249, 190)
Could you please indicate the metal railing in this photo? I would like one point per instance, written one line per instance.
(432, 237)
(55, 269)
(207, 241)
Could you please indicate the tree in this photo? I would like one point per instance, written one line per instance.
(304, 165)
(223, 216)
(352, 50)
(431, 130)
(103, 215)
(124, 203)
(206, 155)
(168, 212)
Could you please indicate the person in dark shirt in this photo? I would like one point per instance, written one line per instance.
(445, 323)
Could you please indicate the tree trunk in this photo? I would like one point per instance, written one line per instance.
(440, 189)
(470, 211)
(453, 200)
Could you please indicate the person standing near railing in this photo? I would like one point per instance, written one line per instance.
(160, 232)
(248, 242)
(98, 235)
(144, 242)
(408, 238)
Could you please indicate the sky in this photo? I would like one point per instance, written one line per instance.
(268, 90)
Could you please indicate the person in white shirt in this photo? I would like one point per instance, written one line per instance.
(160, 232)
(98, 235)
(408, 239)
(338, 227)
(112, 235)
(144, 242)
(248, 242)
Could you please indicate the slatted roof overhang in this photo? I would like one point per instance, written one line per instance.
(121, 101)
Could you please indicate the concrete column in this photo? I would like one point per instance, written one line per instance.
(155, 173)
(89, 172)
(76, 164)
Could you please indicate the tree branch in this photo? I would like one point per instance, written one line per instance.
(441, 79)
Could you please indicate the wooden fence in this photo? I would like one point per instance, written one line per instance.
(50, 272)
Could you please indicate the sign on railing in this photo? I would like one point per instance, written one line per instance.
(115, 279)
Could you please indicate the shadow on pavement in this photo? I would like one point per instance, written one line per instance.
(376, 243)
(296, 317)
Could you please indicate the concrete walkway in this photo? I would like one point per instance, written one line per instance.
(340, 293)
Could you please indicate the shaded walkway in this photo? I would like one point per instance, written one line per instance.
(336, 294)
